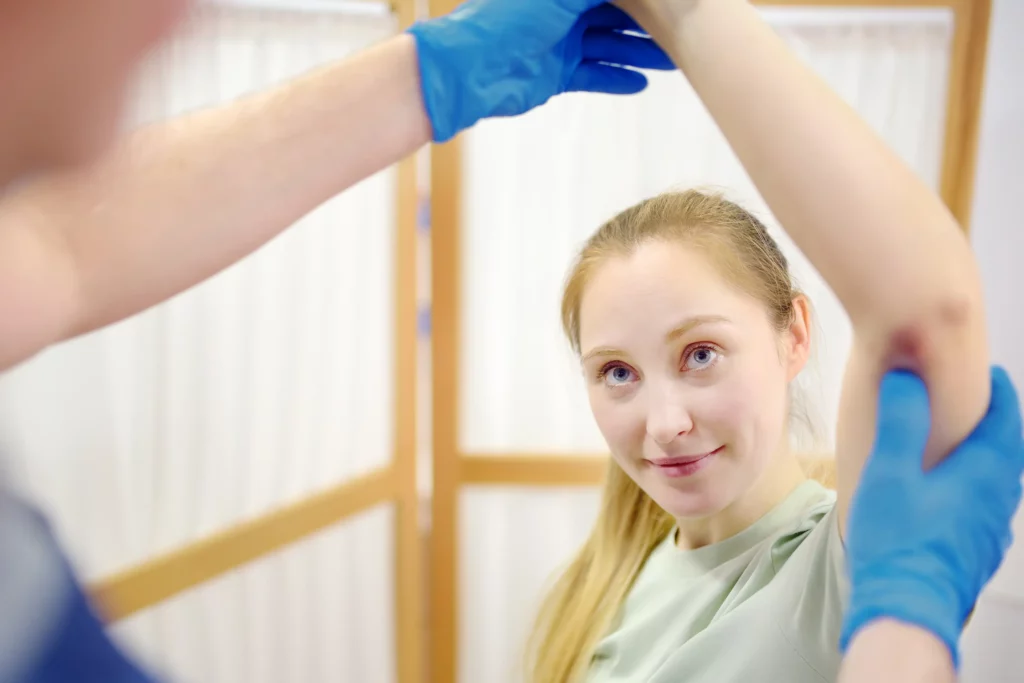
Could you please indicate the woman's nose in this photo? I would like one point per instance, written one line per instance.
(668, 416)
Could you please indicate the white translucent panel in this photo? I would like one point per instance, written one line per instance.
(536, 187)
(513, 542)
(267, 383)
(320, 610)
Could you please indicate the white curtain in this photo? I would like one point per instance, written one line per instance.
(266, 384)
(319, 611)
(536, 187)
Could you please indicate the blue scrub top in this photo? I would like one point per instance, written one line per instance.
(49, 632)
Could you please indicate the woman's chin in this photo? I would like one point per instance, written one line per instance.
(695, 502)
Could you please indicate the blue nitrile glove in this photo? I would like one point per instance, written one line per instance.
(921, 546)
(505, 57)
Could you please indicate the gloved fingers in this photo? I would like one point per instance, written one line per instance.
(605, 78)
(612, 47)
(607, 15)
(904, 421)
(996, 447)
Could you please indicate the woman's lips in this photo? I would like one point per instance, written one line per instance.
(684, 465)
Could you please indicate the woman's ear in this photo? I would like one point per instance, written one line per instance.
(798, 348)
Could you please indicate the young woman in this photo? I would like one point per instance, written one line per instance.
(714, 558)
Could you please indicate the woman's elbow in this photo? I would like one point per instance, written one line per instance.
(925, 313)
(944, 327)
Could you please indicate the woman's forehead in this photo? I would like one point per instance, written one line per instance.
(657, 291)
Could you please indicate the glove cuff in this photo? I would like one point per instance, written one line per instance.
(915, 602)
(436, 56)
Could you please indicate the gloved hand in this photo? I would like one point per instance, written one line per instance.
(505, 57)
(922, 545)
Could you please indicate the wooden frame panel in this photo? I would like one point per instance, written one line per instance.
(409, 603)
(161, 578)
(453, 468)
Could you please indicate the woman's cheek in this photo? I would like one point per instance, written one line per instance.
(621, 423)
(729, 401)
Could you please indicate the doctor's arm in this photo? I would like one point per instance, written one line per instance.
(178, 202)
(174, 203)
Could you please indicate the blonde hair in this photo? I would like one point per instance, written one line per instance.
(582, 604)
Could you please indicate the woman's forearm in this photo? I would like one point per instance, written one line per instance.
(888, 651)
(851, 205)
(177, 202)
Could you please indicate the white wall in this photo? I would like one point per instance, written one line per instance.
(994, 643)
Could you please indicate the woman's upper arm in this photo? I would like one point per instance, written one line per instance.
(948, 348)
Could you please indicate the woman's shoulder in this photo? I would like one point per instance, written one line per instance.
(816, 501)
(810, 587)
(810, 548)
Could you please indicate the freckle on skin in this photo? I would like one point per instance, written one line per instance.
(954, 313)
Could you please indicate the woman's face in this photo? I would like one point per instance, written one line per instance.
(687, 378)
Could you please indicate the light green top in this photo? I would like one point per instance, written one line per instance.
(764, 606)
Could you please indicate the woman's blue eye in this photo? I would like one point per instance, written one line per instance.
(618, 375)
(700, 358)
